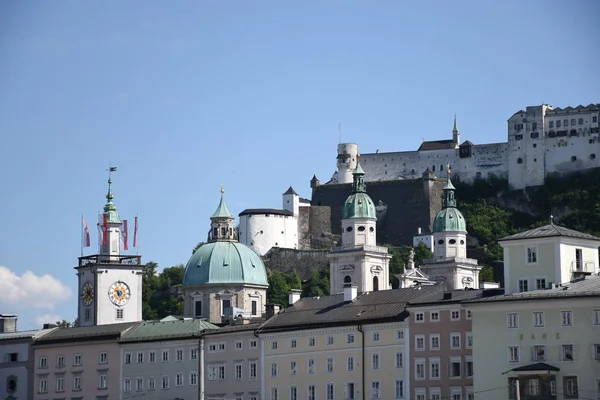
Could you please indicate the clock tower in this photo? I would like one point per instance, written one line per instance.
(109, 283)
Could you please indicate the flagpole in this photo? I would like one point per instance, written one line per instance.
(81, 234)
(137, 232)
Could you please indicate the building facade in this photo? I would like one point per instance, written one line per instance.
(359, 260)
(545, 344)
(78, 363)
(345, 346)
(224, 278)
(160, 359)
(546, 256)
(16, 359)
(542, 140)
(441, 345)
(109, 283)
(230, 363)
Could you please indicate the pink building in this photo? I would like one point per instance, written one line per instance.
(441, 342)
(77, 363)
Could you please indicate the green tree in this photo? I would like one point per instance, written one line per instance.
(318, 285)
(63, 324)
(280, 286)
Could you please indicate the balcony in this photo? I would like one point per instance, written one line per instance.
(458, 260)
(583, 267)
(100, 259)
(364, 247)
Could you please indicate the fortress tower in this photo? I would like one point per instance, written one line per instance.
(346, 161)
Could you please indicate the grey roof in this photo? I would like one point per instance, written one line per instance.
(83, 333)
(170, 329)
(25, 334)
(291, 191)
(233, 328)
(274, 211)
(437, 145)
(585, 287)
(368, 307)
(436, 296)
(550, 230)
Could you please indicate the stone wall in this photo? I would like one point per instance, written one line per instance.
(314, 228)
(402, 205)
(305, 262)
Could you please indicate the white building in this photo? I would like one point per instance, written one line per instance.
(109, 283)
(542, 140)
(16, 358)
(544, 343)
(264, 228)
(547, 255)
(231, 362)
(359, 260)
(449, 265)
(161, 359)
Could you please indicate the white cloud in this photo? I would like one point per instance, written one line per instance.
(30, 291)
(47, 319)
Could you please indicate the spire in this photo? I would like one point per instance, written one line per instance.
(358, 184)
(448, 200)
(222, 211)
(110, 209)
(454, 129)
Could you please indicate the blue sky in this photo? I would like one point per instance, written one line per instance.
(185, 95)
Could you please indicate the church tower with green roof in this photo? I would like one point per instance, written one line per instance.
(359, 261)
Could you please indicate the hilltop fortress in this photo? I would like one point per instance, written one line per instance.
(542, 140)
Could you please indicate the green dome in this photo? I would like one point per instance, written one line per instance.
(449, 220)
(359, 205)
(225, 262)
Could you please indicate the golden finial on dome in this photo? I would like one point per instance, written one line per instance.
(222, 190)
(449, 169)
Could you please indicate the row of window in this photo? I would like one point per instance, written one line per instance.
(434, 316)
(140, 356)
(88, 313)
(538, 318)
(565, 122)
(457, 367)
(217, 372)
(330, 364)
(456, 393)
(165, 382)
(534, 387)
(239, 345)
(349, 391)
(77, 383)
(77, 360)
(565, 352)
(350, 339)
(435, 343)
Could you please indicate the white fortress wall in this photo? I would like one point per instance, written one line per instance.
(406, 164)
(485, 160)
(566, 154)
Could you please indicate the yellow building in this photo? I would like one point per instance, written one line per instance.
(345, 346)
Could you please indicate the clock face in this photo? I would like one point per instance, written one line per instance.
(87, 293)
(119, 293)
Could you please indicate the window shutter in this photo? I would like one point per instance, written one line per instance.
(575, 355)
(532, 353)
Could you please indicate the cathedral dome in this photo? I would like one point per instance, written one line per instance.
(359, 204)
(222, 262)
(449, 219)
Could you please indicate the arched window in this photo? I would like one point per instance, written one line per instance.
(347, 279)
(375, 283)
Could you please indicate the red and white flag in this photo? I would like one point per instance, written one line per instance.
(104, 229)
(124, 241)
(85, 237)
(135, 232)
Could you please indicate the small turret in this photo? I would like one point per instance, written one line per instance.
(455, 134)
(314, 182)
(110, 223)
(221, 222)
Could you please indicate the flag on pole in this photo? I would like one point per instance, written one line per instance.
(124, 241)
(135, 232)
(85, 238)
(104, 229)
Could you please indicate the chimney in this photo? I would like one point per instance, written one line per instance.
(418, 230)
(293, 297)
(350, 291)
(271, 310)
(447, 295)
(8, 323)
